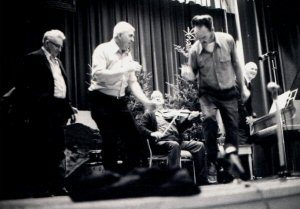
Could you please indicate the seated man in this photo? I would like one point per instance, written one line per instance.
(246, 114)
(163, 132)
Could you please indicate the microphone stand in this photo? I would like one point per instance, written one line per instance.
(272, 61)
(274, 66)
(283, 172)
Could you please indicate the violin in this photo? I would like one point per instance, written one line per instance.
(170, 113)
(174, 114)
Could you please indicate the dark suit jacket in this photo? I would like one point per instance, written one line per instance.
(35, 84)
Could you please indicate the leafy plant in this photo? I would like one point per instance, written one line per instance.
(136, 107)
(184, 93)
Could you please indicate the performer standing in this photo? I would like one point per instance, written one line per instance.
(44, 107)
(214, 62)
(113, 69)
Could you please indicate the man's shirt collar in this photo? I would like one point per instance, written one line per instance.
(115, 48)
(48, 55)
(217, 41)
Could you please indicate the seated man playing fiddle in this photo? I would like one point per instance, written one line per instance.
(163, 127)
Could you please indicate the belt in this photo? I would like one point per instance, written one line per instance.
(222, 94)
(106, 96)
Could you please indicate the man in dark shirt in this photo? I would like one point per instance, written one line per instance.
(163, 128)
(214, 62)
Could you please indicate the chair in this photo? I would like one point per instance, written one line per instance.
(185, 156)
(246, 149)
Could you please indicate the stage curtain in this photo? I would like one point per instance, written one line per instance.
(159, 25)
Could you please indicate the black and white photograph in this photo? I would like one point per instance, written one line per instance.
(147, 104)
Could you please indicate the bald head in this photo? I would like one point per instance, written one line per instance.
(250, 70)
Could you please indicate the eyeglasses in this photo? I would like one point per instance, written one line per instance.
(56, 45)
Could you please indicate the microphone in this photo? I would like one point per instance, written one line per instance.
(266, 55)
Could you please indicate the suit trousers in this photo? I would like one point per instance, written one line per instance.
(121, 137)
(43, 149)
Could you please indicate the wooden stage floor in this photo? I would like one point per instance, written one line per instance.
(268, 193)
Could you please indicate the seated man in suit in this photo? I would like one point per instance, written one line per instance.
(163, 127)
(246, 114)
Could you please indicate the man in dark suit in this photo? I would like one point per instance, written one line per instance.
(44, 109)
(246, 114)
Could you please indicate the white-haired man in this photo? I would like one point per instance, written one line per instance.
(113, 70)
(44, 104)
(164, 127)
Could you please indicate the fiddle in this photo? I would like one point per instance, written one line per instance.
(174, 114)
(170, 113)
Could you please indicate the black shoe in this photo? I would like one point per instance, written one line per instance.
(224, 176)
(212, 174)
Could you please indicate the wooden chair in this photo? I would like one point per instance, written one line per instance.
(185, 156)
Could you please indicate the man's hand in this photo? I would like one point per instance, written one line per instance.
(187, 73)
(73, 116)
(157, 135)
(250, 120)
(149, 105)
(134, 66)
(193, 115)
(75, 110)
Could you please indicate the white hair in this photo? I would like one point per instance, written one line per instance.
(122, 27)
(53, 34)
(250, 65)
(156, 93)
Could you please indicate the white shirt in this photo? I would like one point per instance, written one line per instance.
(60, 88)
(108, 57)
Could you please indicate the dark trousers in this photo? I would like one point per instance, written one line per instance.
(43, 149)
(229, 113)
(244, 128)
(173, 149)
(121, 138)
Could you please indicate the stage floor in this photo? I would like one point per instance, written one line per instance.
(269, 193)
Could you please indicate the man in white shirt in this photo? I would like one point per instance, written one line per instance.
(44, 107)
(113, 70)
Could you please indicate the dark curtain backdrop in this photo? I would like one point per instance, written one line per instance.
(287, 27)
(250, 48)
(159, 25)
(280, 31)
